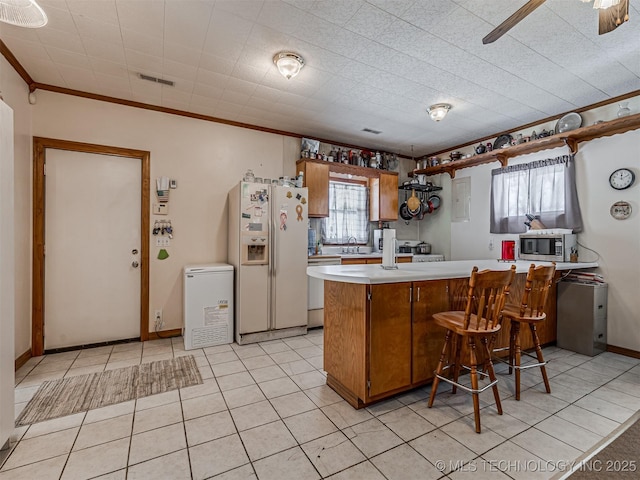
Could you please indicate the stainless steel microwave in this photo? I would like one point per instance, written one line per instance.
(547, 247)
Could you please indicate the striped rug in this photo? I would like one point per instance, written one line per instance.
(66, 396)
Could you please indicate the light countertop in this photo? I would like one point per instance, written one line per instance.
(411, 272)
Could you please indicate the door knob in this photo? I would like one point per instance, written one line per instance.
(135, 264)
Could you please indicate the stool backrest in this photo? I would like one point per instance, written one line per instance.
(536, 290)
(486, 297)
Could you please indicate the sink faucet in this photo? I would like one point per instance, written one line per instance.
(355, 242)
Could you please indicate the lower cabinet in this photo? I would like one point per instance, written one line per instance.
(390, 334)
(427, 338)
(380, 340)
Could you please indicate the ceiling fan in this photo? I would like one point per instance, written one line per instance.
(611, 14)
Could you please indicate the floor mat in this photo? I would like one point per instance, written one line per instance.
(58, 398)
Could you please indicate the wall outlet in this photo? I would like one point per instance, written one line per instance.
(159, 322)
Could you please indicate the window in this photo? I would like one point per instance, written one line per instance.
(545, 188)
(348, 214)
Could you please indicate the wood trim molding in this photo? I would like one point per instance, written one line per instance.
(623, 351)
(22, 359)
(39, 156)
(13, 61)
(175, 332)
(103, 98)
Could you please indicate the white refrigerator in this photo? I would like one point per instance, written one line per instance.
(268, 248)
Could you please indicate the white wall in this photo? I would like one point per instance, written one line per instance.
(617, 242)
(15, 94)
(205, 158)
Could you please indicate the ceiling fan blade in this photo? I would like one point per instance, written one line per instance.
(611, 18)
(512, 21)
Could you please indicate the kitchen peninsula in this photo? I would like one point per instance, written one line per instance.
(379, 334)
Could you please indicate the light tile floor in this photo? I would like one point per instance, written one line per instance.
(265, 412)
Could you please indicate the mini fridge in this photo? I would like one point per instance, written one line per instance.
(208, 305)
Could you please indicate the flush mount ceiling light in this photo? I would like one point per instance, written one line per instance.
(22, 13)
(288, 63)
(438, 111)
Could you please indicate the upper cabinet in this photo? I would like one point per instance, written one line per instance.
(316, 179)
(383, 198)
(383, 184)
(571, 139)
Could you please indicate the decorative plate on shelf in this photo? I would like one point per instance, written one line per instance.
(569, 122)
(502, 141)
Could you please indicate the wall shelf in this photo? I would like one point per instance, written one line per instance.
(420, 188)
(570, 139)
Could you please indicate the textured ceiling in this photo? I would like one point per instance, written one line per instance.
(374, 64)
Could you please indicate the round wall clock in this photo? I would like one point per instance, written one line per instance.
(622, 178)
(620, 210)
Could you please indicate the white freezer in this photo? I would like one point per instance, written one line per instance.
(208, 305)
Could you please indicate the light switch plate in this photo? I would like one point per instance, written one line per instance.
(161, 209)
(162, 241)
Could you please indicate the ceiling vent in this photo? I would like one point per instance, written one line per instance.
(371, 130)
(156, 80)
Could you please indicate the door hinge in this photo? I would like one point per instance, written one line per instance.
(369, 296)
(44, 250)
(369, 385)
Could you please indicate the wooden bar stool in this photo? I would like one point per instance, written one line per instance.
(478, 322)
(529, 311)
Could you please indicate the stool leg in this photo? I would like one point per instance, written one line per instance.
(436, 380)
(517, 354)
(536, 342)
(456, 362)
(492, 376)
(512, 345)
(473, 360)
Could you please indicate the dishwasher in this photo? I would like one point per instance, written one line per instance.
(315, 302)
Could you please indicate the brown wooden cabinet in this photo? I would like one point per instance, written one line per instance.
(427, 338)
(383, 198)
(316, 179)
(390, 338)
(375, 260)
(380, 340)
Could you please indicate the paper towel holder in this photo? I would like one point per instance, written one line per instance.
(395, 262)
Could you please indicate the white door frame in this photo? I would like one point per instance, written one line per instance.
(40, 146)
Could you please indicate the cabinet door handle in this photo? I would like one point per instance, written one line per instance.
(418, 294)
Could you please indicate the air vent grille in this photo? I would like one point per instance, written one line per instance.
(156, 80)
(371, 130)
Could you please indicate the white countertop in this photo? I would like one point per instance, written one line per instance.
(410, 272)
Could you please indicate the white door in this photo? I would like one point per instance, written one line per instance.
(92, 245)
(289, 286)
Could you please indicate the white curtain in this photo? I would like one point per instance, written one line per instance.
(348, 214)
(545, 189)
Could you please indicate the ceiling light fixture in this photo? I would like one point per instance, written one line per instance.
(288, 63)
(22, 13)
(603, 4)
(438, 111)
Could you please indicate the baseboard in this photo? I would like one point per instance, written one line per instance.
(22, 359)
(623, 351)
(176, 332)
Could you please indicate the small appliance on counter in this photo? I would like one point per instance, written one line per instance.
(549, 247)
